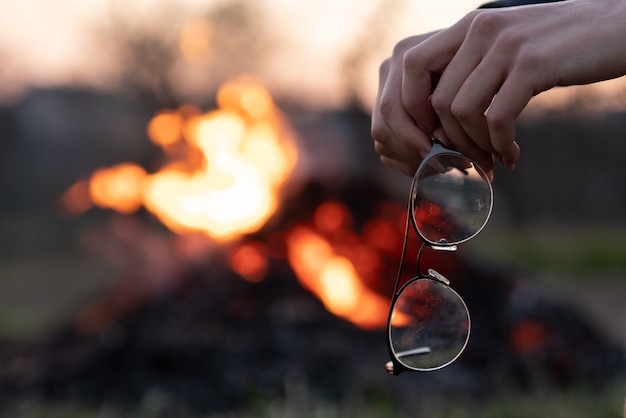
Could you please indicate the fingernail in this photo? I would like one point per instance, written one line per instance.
(441, 136)
(510, 165)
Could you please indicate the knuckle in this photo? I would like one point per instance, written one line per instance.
(402, 46)
(386, 106)
(439, 103)
(412, 59)
(383, 151)
(496, 119)
(380, 148)
(529, 59)
(461, 111)
(387, 162)
(487, 22)
(379, 134)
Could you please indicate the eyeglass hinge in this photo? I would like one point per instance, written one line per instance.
(438, 276)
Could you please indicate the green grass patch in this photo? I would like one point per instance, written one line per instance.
(572, 251)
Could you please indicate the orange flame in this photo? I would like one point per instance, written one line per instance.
(224, 171)
(334, 279)
(118, 187)
(222, 176)
(166, 128)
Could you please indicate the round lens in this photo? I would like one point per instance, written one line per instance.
(451, 199)
(429, 326)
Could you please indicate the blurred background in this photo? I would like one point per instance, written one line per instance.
(194, 222)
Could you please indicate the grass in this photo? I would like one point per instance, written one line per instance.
(568, 251)
(571, 404)
(38, 293)
(560, 404)
(567, 404)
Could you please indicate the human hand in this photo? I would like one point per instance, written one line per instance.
(468, 84)
(399, 141)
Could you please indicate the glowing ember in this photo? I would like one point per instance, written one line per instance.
(250, 261)
(331, 216)
(334, 280)
(75, 200)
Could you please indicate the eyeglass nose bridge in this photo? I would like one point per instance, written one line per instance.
(418, 260)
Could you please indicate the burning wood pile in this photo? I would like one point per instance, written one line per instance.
(263, 286)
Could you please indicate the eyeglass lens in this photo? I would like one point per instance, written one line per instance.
(429, 325)
(451, 200)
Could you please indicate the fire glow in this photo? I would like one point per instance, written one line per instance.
(224, 169)
(334, 280)
(222, 177)
(335, 263)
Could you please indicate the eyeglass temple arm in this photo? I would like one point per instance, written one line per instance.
(403, 256)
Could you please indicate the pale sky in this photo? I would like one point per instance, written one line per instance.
(49, 43)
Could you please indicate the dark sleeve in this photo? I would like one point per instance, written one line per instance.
(509, 3)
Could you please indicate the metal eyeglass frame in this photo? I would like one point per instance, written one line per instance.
(432, 280)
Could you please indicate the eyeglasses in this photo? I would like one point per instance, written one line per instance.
(450, 202)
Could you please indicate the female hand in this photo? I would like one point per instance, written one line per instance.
(400, 142)
(468, 84)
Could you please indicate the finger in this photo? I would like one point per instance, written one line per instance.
(384, 109)
(458, 139)
(405, 138)
(422, 66)
(507, 105)
(398, 137)
(424, 63)
(384, 151)
(383, 74)
(433, 111)
(417, 87)
(393, 152)
(379, 129)
(398, 146)
(469, 149)
(402, 167)
(445, 100)
(460, 104)
(472, 101)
